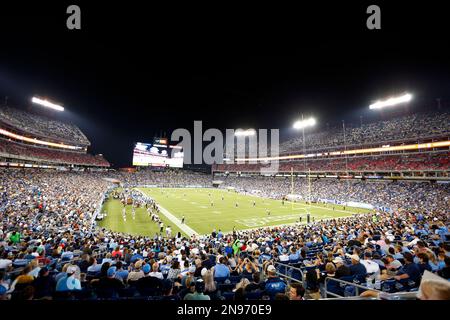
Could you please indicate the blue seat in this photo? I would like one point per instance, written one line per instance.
(389, 286)
(282, 269)
(106, 293)
(20, 263)
(225, 287)
(228, 295)
(334, 287)
(296, 274)
(248, 276)
(346, 278)
(220, 279)
(128, 292)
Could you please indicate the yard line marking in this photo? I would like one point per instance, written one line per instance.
(189, 231)
(325, 208)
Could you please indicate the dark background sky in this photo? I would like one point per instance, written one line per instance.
(134, 70)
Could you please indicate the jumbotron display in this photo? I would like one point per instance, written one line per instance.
(157, 155)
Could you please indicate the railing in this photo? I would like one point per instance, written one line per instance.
(100, 207)
(382, 296)
(357, 287)
(287, 268)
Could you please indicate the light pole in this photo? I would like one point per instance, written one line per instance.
(302, 124)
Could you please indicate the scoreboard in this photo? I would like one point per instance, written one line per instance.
(157, 154)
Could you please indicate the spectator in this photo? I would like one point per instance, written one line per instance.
(274, 284)
(296, 291)
(70, 281)
(197, 292)
(44, 285)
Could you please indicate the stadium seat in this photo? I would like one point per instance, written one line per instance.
(235, 279)
(225, 287)
(229, 296)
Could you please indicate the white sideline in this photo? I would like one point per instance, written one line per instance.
(189, 231)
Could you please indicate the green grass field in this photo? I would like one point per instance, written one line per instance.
(202, 217)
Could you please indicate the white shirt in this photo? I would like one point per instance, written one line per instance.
(5, 263)
(156, 275)
(371, 266)
(284, 257)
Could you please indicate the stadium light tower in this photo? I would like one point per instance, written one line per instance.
(47, 104)
(304, 123)
(380, 104)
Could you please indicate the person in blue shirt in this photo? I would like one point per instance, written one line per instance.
(274, 284)
(67, 254)
(410, 271)
(357, 269)
(121, 273)
(70, 281)
(137, 256)
(228, 249)
(294, 256)
(265, 256)
(423, 262)
(221, 270)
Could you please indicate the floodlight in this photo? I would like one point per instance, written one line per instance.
(48, 104)
(391, 101)
(245, 133)
(301, 124)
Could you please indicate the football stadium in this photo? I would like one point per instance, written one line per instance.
(105, 202)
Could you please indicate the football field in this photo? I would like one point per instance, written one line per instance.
(208, 209)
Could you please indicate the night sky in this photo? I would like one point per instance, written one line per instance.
(134, 71)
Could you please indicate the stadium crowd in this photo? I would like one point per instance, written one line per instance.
(414, 126)
(406, 162)
(48, 249)
(41, 126)
(170, 178)
(13, 150)
(394, 195)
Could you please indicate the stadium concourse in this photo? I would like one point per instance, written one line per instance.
(52, 248)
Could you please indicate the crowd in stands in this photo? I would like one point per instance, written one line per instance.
(411, 127)
(48, 249)
(41, 126)
(14, 150)
(170, 178)
(395, 195)
(399, 162)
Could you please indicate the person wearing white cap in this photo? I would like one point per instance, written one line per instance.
(341, 269)
(274, 284)
(69, 282)
(357, 269)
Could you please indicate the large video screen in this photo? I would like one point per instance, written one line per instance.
(157, 155)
